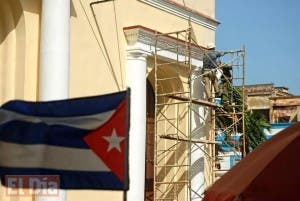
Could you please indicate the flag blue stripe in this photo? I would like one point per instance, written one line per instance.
(71, 179)
(67, 108)
(41, 133)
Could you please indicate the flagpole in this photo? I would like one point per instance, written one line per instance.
(126, 170)
(54, 58)
(125, 195)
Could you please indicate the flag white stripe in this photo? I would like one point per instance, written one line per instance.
(89, 122)
(51, 157)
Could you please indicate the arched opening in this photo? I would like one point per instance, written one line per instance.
(150, 137)
(163, 86)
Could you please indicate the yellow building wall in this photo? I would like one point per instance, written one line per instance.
(19, 45)
(98, 50)
(98, 59)
(101, 50)
(205, 7)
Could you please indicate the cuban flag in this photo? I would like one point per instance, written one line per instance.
(82, 140)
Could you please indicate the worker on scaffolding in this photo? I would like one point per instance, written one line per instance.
(212, 71)
(226, 81)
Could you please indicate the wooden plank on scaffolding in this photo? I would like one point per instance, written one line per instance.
(196, 101)
(187, 139)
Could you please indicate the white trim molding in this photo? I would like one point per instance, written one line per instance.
(184, 12)
(142, 39)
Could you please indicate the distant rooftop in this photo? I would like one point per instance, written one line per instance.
(267, 89)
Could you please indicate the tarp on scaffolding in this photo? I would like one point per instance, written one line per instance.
(270, 172)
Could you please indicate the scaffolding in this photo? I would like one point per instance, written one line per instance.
(230, 118)
(177, 141)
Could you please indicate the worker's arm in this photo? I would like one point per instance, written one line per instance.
(225, 52)
(220, 54)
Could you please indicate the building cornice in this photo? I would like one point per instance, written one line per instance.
(284, 97)
(184, 12)
(142, 38)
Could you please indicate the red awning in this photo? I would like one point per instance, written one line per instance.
(270, 173)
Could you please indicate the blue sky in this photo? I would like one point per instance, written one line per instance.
(270, 30)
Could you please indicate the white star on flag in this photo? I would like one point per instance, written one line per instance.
(114, 141)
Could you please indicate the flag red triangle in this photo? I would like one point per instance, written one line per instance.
(109, 141)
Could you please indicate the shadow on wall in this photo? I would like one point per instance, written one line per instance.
(11, 12)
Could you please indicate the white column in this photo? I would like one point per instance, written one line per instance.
(136, 80)
(55, 50)
(199, 129)
(54, 58)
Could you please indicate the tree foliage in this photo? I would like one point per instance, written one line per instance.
(255, 123)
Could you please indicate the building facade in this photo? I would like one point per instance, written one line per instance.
(258, 97)
(280, 108)
(103, 47)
